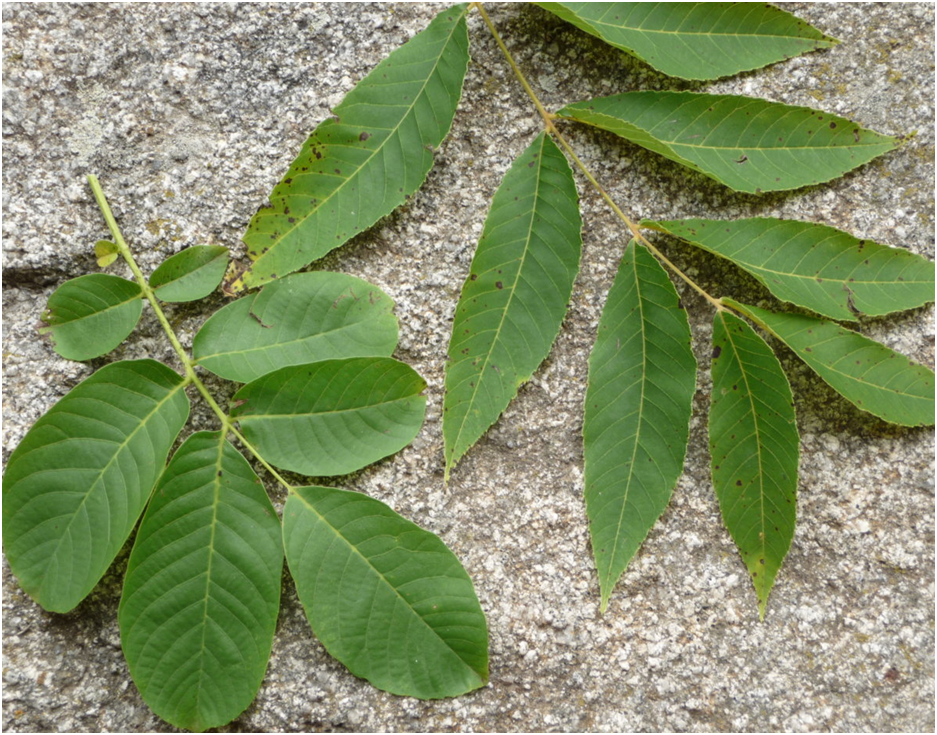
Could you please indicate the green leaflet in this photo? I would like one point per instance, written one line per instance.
(191, 274)
(696, 40)
(202, 591)
(814, 266)
(642, 376)
(90, 315)
(334, 416)
(385, 597)
(515, 297)
(363, 164)
(77, 483)
(106, 252)
(754, 446)
(748, 144)
(868, 374)
(302, 318)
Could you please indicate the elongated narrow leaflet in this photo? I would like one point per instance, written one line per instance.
(77, 483)
(365, 162)
(748, 144)
(90, 315)
(642, 376)
(696, 40)
(865, 372)
(332, 417)
(755, 447)
(515, 296)
(202, 590)
(298, 319)
(384, 596)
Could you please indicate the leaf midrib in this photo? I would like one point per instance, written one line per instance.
(300, 221)
(384, 579)
(260, 416)
(98, 312)
(507, 306)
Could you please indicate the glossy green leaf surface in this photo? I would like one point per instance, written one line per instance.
(77, 483)
(191, 274)
(364, 163)
(202, 590)
(696, 40)
(298, 319)
(642, 376)
(90, 315)
(385, 597)
(814, 266)
(754, 445)
(750, 145)
(865, 372)
(334, 416)
(515, 297)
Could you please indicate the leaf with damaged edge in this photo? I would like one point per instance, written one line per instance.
(814, 266)
(754, 446)
(90, 315)
(748, 144)
(77, 483)
(202, 590)
(642, 376)
(298, 319)
(866, 373)
(696, 40)
(363, 164)
(384, 596)
(514, 299)
(334, 416)
(191, 274)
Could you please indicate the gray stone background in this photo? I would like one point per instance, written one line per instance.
(190, 113)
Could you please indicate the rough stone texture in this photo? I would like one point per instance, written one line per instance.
(190, 114)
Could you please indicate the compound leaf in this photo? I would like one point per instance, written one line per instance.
(90, 315)
(814, 266)
(363, 164)
(754, 446)
(868, 374)
(385, 597)
(301, 318)
(202, 591)
(750, 145)
(642, 376)
(334, 416)
(515, 297)
(77, 483)
(696, 40)
(191, 274)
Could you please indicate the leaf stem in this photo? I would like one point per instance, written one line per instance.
(548, 119)
(191, 377)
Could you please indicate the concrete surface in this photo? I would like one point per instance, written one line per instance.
(190, 113)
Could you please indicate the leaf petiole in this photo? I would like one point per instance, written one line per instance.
(548, 119)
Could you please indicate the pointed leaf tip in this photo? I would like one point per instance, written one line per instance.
(814, 266)
(202, 591)
(515, 297)
(77, 483)
(365, 574)
(748, 144)
(868, 374)
(754, 448)
(642, 377)
(362, 164)
(696, 40)
(91, 315)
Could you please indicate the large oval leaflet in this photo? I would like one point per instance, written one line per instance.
(77, 483)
